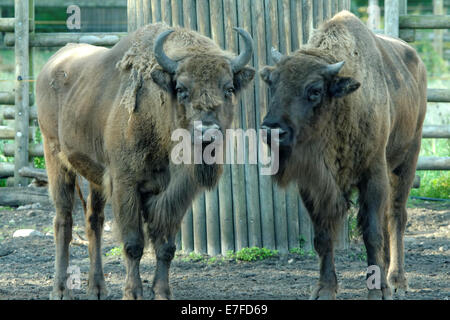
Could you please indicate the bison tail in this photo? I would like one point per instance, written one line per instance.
(80, 195)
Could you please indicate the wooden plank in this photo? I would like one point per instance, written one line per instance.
(166, 9)
(156, 11)
(424, 22)
(225, 191)
(249, 122)
(189, 14)
(296, 24)
(438, 95)
(140, 13)
(9, 133)
(259, 18)
(34, 150)
(442, 132)
(199, 224)
(22, 88)
(177, 13)
(6, 170)
(203, 17)
(131, 15)
(391, 18)
(275, 13)
(292, 216)
(237, 170)
(18, 196)
(147, 11)
(307, 20)
(63, 38)
(187, 234)
(306, 228)
(433, 163)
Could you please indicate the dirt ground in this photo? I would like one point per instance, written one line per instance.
(27, 264)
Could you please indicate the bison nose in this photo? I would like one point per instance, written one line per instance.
(207, 131)
(274, 132)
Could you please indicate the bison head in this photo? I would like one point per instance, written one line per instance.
(303, 89)
(204, 84)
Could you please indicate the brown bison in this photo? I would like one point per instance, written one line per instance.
(349, 108)
(108, 115)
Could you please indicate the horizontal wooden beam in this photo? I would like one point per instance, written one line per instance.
(9, 113)
(63, 38)
(8, 98)
(18, 196)
(7, 24)
(65, 3)
(6, 169)
(34, 150)
(438, 95)
(9, 133)
(433, 163)
(438, 132)
(424, 22)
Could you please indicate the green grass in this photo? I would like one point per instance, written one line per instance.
(253, 254)
(114, 252)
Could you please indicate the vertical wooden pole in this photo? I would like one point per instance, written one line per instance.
(249, 122)
(225, 188)
(280, 38)
(177, 12)
(156, 10)
(131, 15)
(373, 10)
(21, 89)
(391, 17)
(166, 9)
(237, 170)
(259, 18)
(438, 9)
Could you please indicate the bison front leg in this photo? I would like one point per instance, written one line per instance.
(327, 286)
(374, 201)
(127, 209)
(164, 251)
(94, 227)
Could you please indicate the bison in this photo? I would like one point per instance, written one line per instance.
(349, 108)
(107, 115)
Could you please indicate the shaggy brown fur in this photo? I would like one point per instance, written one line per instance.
(358, 129)
(108, 114)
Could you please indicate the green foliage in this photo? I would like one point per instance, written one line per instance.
(114, 252)
(254, 253)
(298, 250)
(434, 63)
(194, 257)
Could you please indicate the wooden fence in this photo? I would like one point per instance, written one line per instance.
(246, 209)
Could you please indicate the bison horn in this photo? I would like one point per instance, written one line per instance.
(164, 61)
(333, 69)
(238, 63)
(276, 55)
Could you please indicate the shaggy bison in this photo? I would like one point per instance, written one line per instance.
(108, 115)
(349, 107)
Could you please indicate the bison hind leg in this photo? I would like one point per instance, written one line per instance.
(61, 187)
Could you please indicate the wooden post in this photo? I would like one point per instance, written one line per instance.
(373, 10)
(21, 89)
(438, 9)
(391, 17)
(131, 15)
(249, 122)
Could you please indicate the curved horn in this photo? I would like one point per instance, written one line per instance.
(276, 55)
(164, 61)
(240, 61)
(333, 69)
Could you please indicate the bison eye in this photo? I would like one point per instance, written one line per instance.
(229, 92)
(182, 92)
(314, 94)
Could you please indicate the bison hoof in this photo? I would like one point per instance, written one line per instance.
(322, 293)
(97, 292)
(133, 294)
(377, 294)
(58, 294)
(398, 282)
(162, 294)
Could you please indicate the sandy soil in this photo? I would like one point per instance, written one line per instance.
(26, 264)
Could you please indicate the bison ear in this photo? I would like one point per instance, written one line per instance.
(342, 86)
(243, 77)
(265, 73)
(163, 79)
